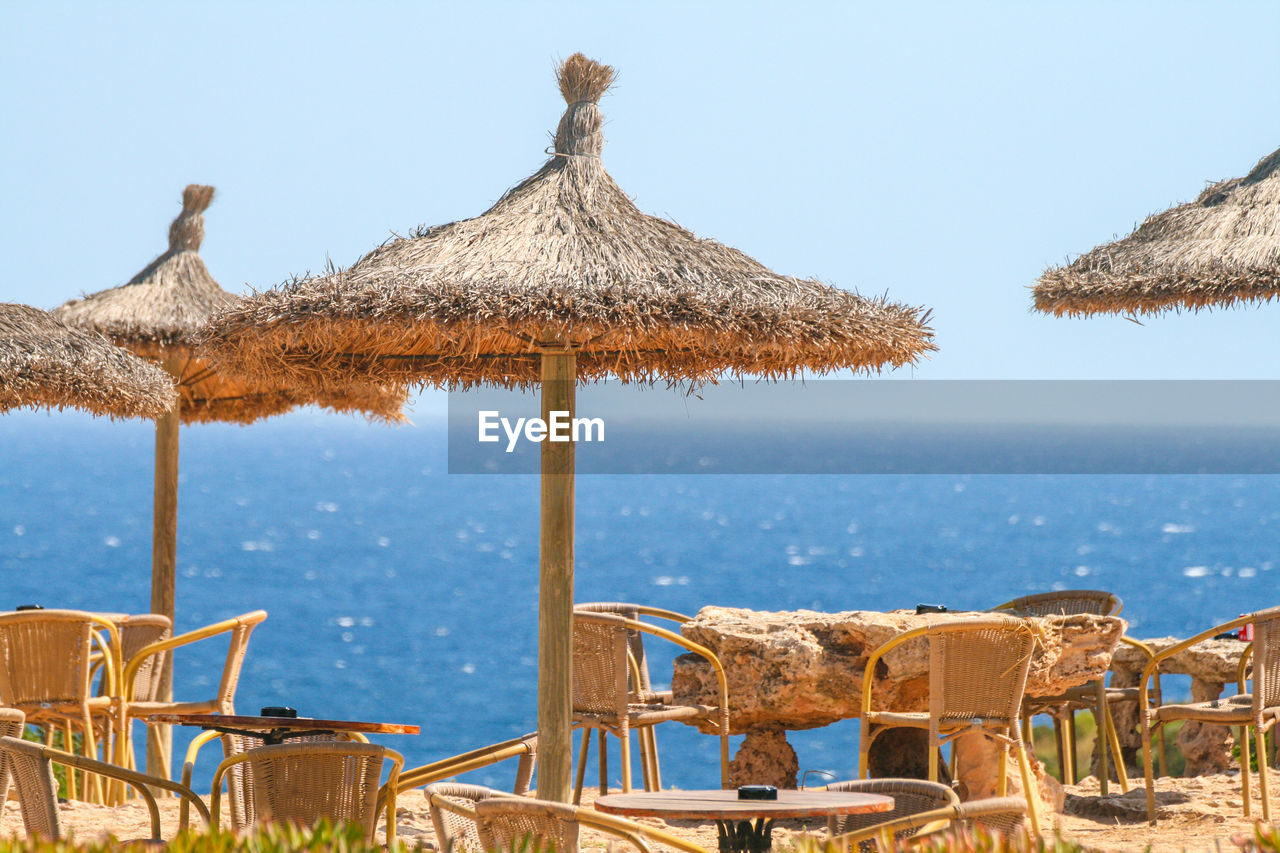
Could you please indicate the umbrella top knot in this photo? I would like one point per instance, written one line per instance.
(187, 231)
(582, 82)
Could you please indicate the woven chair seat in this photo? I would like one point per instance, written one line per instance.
(1086, 693)
(653, 697)
(143, 709)
(643, 715)
(920, 720)
(1233, 709)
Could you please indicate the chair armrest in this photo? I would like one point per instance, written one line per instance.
(450, 805)
(188, 767)
(659, 613)
(446, 768)
(138, 781)
(869, 672)
(930, 821)
(135, 663)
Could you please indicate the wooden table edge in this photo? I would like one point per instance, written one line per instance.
(299, 723)
(729, 809)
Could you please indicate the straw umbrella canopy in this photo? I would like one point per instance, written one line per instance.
(562, 280)
(1219, 250)
(158, 315)
(45, 363)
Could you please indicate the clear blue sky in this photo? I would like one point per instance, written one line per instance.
(944, 153)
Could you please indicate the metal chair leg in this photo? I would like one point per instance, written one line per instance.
(1260, 738)
(582, 766)
(1242, 738)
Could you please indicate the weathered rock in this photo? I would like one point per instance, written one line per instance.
(979, 763)
(903, 754)
(1213, 661)
(765, 758)
(803, 669)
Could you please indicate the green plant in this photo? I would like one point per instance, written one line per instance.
(35, 735)
(1046, 750)
(960, 840)
(273, 838)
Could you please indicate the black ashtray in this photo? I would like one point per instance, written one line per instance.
(757, 792)
(280, 711)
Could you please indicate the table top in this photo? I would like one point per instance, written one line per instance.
(717, 805)
(297, 724)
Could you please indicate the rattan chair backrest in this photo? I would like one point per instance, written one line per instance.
(237, 646)
(45, 656)
(910, 796)
(601, 674)
(635, 639)
(304, 782)
(32, 773)
(510, 823)
(978, 668)
(137, 631)
(1266, 659)
(456, 833)
(12, 722)
(1066, 602)
(240, 776)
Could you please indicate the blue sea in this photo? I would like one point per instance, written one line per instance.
(400, 593)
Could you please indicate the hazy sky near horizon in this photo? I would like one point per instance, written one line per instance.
(942, 153)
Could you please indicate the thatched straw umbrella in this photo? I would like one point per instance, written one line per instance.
(158, 315)
(45, 363)
(563, 279)
(1221, 249)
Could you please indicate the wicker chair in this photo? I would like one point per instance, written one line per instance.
(604, 701)
(239, 778)
(1258, 709)
(1094, 697)
(650, 767)
(141, 681)
(505, 822)
(910, 797)
(304, 782)
(452, 808)
(977, 674)
(1003, 815)
(31, 765)
(45, 664)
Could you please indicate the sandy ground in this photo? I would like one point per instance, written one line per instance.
(1197, 814)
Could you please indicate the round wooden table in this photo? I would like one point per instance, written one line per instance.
(734, 817)
(276, 730)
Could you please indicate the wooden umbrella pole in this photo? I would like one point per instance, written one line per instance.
(555, 599)
(164, 556)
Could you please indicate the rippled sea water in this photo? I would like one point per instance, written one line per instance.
(403, 594)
